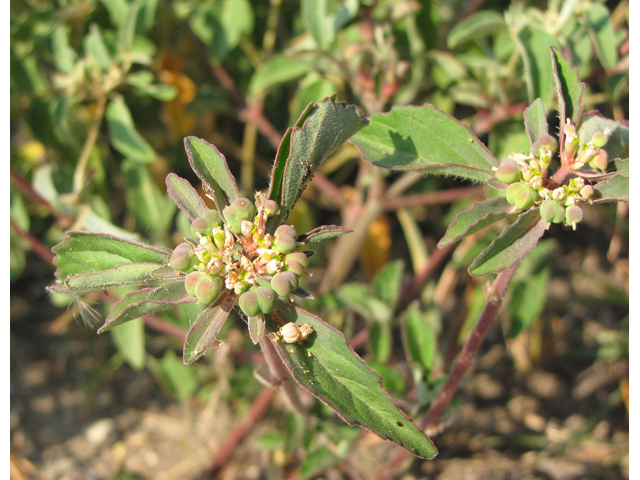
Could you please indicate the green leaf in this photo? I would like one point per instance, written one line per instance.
(256, 328)
(325, 232)
(313, 14)
(534, 43)
(360, 299)
(317, 461)
(479, 216)
(529, 288)
(123, 134)
(95, 47)
(84, 252)
(388, 282)
(600, 30)
(212, 169)
(613, 190)
(129, 339)
(117, 10)
(535, 121)
(380, 341)
(125, 274)
(569, 88)
(320, 130)
(152, 210)
(143, 302)
(425, 139)
(419, 338)
(476, 26)
(182, 380)
(618, 143)
(276, 71)
(185, 196)
(511, 246)
(205, 329)
(328, 368)
(127, 29)
(64, 56)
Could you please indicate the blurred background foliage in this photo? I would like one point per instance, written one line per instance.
(103, 92)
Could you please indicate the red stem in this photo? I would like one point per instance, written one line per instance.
(435, 198)
(42, 251)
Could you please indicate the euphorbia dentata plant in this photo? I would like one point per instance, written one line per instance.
(243, 252)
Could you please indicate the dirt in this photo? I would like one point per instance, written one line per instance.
(75, 414)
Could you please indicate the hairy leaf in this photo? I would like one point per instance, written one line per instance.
(479, 216)
(84, 252)
(185, 196)
(323, 233)
(212, 169)
(613, 190)
(535, 121)
(425, 139)
(124, 274)
(511, 246)
(569, 88)
(205, 329)
(318, 133)
(146, 301)
(327, 367)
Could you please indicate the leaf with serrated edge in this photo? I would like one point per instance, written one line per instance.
(323, 233)
(569, 88)
(424, 139)
(205, 329)
(615, 189)
(146, 301)
(124, 274)
(212, 169)
(326, 366)
(86, 252)
(185, 197)
(535, 121)
(511, 246)
(325, 128)
(479, 216)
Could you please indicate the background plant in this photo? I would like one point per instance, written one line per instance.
(402, 61)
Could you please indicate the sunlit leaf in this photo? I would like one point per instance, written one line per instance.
(479, 216)
(569, 88)
(124, 136)
(205, 329)
(535, 121)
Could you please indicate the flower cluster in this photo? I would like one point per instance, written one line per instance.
(237, 255)
(527, 176)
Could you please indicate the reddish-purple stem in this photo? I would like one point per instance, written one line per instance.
(42, 251)
(435, 198)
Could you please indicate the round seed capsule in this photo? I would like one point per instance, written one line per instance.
(284, 283)
(552, 211)
(266, 299)
(249, 303)
(208, 288)
(182, 257)
(508, 171)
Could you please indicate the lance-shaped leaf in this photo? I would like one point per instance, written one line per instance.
(613, 190)
(534, 43)
(317, 134)
(124, 274)
(257, 328)
(600, 30)
(512, 245)
(212, 169)
(425, 139)
(146, 301)
(569, 88)
(479, 216)
(419, 337)
(323, 233)
(205, 329)
(185, 196)
(124, 136)
(85, 252)
(327, 367)
(535, 121)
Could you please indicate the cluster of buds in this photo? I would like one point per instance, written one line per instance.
(237, 255)
(590, 153)
(527, 178)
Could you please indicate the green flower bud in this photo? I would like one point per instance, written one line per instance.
(288, 230)
(266, 299)
(572, 215)
(513, 191)
(191, 282)
(526, 198)
(208, 288)
(586, 154)
(284, 283)
(298, 257)
(183, 258)
(508, 171)
(284, 244)
(545, 142)
(271, 207)
(600, 161)
(571, 139)
(204, 223)
(240, 208)
(552, 211)
(587, 191)
(599, 139)
(249, 303)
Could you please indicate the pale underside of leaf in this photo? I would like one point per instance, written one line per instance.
(185, 197)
